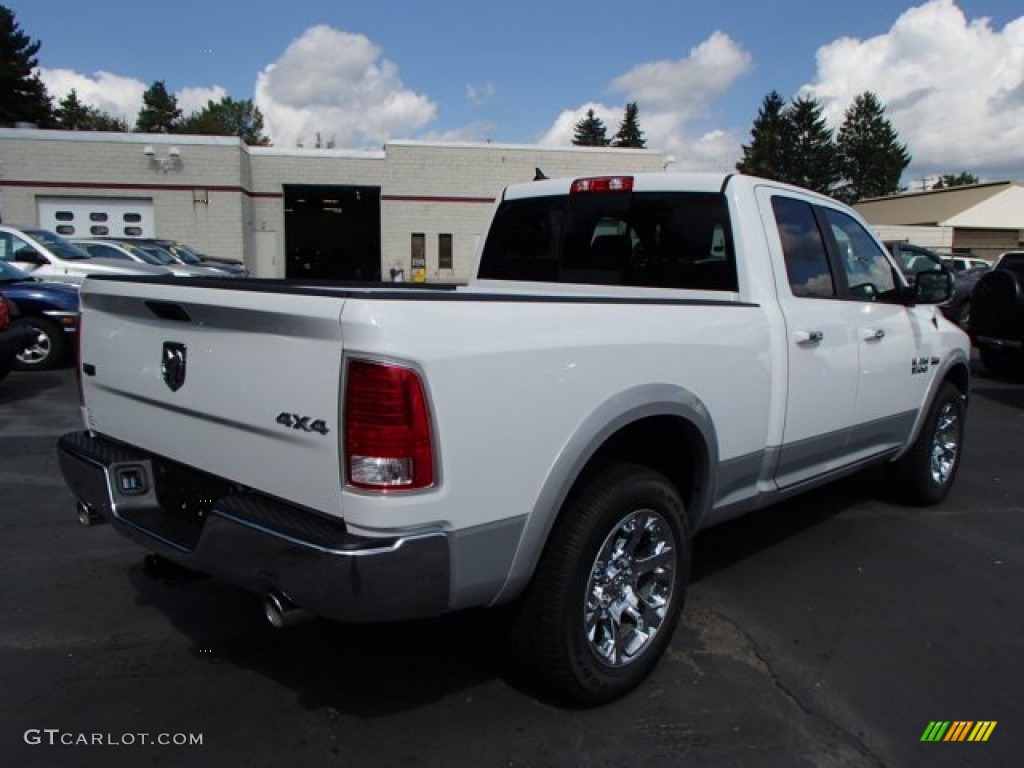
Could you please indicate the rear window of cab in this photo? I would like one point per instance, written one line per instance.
(649, 239)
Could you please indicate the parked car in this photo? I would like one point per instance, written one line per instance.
(185, 254)
(47, 312)
(12, 338)
(913, 259)
(997, 329)
(964, 263)
(131, 250)
(50, 256)
(1012, 260)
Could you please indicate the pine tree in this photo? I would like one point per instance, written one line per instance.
(590, 132)
(962, 179)
(872, 159)
(629, 134)
(813, 160)
(771, 142)
(227, 117)
(72, 114)
(160, 112)
(23, 96)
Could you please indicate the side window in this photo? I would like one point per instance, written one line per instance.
(869, 274)
(804, 249)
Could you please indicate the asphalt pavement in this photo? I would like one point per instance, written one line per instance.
(828, 631)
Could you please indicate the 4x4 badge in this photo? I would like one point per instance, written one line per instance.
(172, 365)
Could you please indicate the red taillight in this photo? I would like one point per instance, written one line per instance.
(5, 313)
(388, 444)
(602, 184)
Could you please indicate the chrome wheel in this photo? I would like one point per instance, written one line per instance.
(38, 350)
(630, 587)
(945, 443)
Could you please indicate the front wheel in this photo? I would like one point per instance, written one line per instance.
(924, 475)
(607, 593)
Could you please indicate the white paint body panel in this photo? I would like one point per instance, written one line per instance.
(511, 381)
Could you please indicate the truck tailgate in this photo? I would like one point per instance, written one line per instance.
(212, 377)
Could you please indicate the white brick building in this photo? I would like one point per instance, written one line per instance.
(285, 212)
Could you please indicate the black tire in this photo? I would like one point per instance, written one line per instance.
(998, 301)
(47, 347)
(1002, 362)
(583, 576)
(924, 475)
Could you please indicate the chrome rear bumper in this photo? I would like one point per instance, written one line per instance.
(256, 542)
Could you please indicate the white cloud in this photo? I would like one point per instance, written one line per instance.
(474, 132)
(194, 99)
(670, 95)
(337, 83)
(117, 95)
(478, 95)
(114, 94)
(953, 88)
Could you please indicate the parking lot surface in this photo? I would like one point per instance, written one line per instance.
(828, 631)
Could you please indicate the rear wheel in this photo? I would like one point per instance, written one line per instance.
(46, 346)
(925, 474)
(608, 590)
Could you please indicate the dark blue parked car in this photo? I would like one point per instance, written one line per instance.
(47, 311)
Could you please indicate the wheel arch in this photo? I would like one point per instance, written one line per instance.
(957, 372)
(661, 426)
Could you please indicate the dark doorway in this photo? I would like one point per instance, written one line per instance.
(332, 232)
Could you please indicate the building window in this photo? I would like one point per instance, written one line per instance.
(97, 217)
(65, 216)
(133, 231)
(65, 229)
(444, 251)
(99, 230)
(133, 218)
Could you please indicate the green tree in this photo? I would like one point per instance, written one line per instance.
(962, 179)
(813, 157)
(227, 117)
(629, 133)
(160, 112)
(769, 153)
(74, 115)
(23, 95)
(871, 157)
(590, 132)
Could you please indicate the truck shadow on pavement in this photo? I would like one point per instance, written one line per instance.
(372, 671)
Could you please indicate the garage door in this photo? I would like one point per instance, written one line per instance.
(97, 216)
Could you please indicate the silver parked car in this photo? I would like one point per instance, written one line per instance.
(49, 256)
(129, 250)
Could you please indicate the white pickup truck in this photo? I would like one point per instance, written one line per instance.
(639, 358)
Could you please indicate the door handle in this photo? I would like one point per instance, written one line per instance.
(809, 338)
(874, 334)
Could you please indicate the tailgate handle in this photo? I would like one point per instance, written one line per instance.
(167, 310)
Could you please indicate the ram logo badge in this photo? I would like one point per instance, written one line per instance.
(172, 365)
(303, 423)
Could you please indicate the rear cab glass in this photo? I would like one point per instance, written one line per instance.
(648, 239)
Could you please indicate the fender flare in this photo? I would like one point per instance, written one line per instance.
(607, 419)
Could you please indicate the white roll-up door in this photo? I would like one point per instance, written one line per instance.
(97, 216)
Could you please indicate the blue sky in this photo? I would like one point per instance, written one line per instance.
(951, 73)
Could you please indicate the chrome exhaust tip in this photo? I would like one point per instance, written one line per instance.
(281, 612)
(88, 516)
